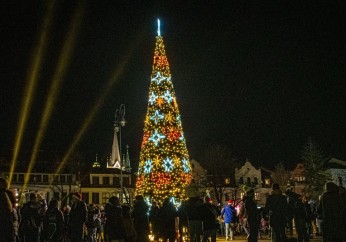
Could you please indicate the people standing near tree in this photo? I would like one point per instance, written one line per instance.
(183, 220)
(77, 218)
(210, 214)
(114, 220)
(242, 217)
(300, 220)
(277, 208)
(193, 210)
(309, 215)
(333, 211)
(229, 216)
(250, 211)
(6, 209)
(342, 192)
(53, 222)
(130, 231)
(291, 197)
(31, 220)
(168, 221)
(141, 220)
(93, 222)
(153, 219)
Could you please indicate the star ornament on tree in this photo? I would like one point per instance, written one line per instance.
(168, 96)
(186, 165)
(152, 98)
(156, 117)
(156, 137)
(158, 78)
(148, 166)
(168, 164)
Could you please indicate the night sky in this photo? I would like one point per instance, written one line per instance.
(259, 77)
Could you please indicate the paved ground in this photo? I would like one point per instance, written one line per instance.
(241, 238)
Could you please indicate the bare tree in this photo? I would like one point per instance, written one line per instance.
(220, 165)
(281, 175)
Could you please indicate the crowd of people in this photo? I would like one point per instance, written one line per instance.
(196, 219)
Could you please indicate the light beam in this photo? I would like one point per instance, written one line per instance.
(32, 76)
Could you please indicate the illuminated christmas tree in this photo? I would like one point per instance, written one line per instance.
(164, 168)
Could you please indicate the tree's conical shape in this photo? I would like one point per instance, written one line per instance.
(164, 168)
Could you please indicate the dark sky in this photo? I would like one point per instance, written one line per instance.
(259, 77)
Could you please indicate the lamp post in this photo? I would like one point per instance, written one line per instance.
(120, 122)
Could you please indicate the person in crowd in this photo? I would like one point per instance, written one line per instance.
(65, 211)
(6, 210)
(243, 224)
(77, 218)
(193, 210)
(183, 221)
(229, 216)
(318, 215)
(277, 207)
(342, 192)
(210, 215)
(153, 219)
(31, 220)
(333, 211)
(53, 222)
(168, 221)
(114, 220)
(300, 220)
(93, 222)
(141, 219)
(130, 231)
(309, 215)
(250, 211)
(291, 197)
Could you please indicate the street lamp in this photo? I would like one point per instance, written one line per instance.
(120, 122)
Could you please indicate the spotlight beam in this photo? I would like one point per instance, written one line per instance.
(55, 86)
(114, 77)
(32, 76)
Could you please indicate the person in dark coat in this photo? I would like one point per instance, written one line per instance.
(168, 218)
(193, 209)
(31, 221)
(153, 219)
(277, 207)
(141, 220)
(251, 213)
(333, 210)
(6, 221)
(77, 218)
(342, 192)
(210, 214)
(114, 220)
(53, 222)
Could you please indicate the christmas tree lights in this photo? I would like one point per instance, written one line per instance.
(164, 168)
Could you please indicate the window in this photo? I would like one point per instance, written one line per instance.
(69, 178)
(21, 177)
(106, 180)
(32, 178)
(45, 178)
(95, 180)
(241, 180)
(38, 178)
(95, 198)
(85, 197)
(255, 181)
(62, 178)
(257, 196)
(116, 181)
(105, 197)
(125, 181)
